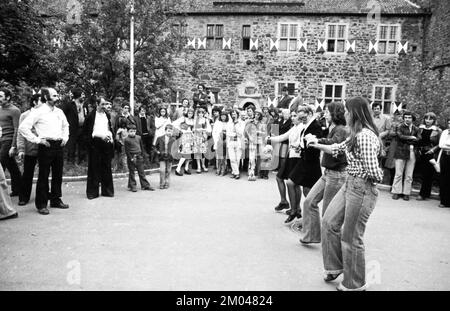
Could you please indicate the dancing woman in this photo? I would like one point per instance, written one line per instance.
(345, 219)
(332, 179)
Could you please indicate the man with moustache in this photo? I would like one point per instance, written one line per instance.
(52, 129)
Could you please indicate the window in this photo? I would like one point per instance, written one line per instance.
(385, 95)
(336, 36)
(246, 37)
(388, 35)
(292, 87)
(180, 34)
(214, 36)
(333, 92)
(288, 35)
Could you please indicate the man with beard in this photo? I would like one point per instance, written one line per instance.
(52, 130)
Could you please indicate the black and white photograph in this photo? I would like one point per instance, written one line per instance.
(228, 146)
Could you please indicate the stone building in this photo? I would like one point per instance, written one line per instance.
(322, 50)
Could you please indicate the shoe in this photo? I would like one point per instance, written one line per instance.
(395, 197)
(43, 211)
(233, 176)
(149, 188)
(14, 194)
(166, 187)
(307, 242)
(15, 215)
(199, 171)
(290, 219)
(420, 198)
(443, 206)
(162, 187)
(22, 202)
(133, 189)
(237, 177)
(178, 173)
(331, 277)
(187, 172)
(266, 177)
(91, 197)
(205, 169)
(288, 212)
(342, 288)
(281, 207)
(60, 204)
(406, 197)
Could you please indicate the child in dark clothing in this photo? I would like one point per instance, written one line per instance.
(134, 151)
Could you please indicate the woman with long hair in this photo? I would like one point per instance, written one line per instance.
(234, 137)
(161, 120)
(345, 219)
(282, 150)
(332, 179)
(429, 135)
(185, 125)
(202, 128)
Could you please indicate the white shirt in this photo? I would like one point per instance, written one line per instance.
(101, 126)
(293, 135)
(48, 122)
(160, 124)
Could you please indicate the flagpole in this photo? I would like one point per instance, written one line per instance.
(132, 58)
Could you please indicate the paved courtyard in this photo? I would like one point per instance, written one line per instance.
(208, 233)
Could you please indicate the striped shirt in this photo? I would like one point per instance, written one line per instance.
(363, 160)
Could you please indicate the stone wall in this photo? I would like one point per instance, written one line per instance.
(227, 69)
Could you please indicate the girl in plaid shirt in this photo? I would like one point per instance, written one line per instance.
(345, 219)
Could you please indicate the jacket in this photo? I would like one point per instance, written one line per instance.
(88, 128)
(284, 102)
(151, 127)
(163, 153)
(337, 135)
(403, 142)
(23, 145)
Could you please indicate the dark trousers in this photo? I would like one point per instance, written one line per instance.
(10, 164)
(74, 144)
(147, 141)
(99, 169)
(136, 163)
(445, 179)
(49, 158)
(427, 177)
(29, 164)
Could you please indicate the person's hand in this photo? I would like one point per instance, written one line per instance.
(44, 142)
(21, 155)
(12, 152)
(63, 143)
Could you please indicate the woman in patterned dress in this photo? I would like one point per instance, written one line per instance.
(202, 129)
(185, 125)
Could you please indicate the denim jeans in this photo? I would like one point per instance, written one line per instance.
(6, 206)
(137, 165)
(343, 229)
(325, 188)
(407, 167)
(164, 173)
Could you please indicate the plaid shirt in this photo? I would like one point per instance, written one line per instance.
(363, 160)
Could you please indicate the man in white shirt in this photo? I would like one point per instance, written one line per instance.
(52, 128)
(99, 138)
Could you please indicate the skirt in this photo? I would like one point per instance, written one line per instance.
(287, 167)
(306, 174)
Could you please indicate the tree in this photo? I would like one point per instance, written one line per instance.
(96, 52)
(23, 45)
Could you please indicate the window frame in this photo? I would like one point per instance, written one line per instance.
(246, 38)
(383, 100)
(387, 40)
(334, 84)
(285, 82)
(327, 38)
(289, 23)
(218, 41)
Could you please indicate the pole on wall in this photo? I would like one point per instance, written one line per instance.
(132, 58)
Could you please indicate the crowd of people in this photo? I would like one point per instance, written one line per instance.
(337, 156)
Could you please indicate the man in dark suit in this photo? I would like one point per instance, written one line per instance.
(165, 149)
(98, 133)
(75, 114)
(201, 99)
(285, 99)
(145, 127)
